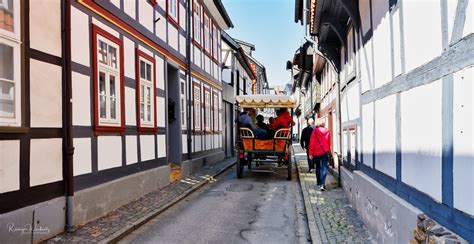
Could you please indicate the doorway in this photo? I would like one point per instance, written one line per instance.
(174, 116)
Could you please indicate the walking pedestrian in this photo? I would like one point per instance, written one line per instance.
(319, 152)
(305, 140)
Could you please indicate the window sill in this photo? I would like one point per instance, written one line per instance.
(198, 45)
(147, 130)
(99, 130)
(11, 129)
(173, 22)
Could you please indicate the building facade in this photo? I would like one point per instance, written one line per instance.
(402, 86)
(106, 101)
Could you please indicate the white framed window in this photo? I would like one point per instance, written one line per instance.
(183, 103)
(197, 106)
(215, 114)
(146, 90)
(207, 109)
(173, 10)
(10, 65)
(207, 36)
(197, 22)
(108, 66)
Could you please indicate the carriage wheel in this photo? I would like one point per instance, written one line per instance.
(240, 167)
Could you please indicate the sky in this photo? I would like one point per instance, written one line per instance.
(270, 26)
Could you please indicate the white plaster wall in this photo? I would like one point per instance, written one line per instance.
(344, 107)
(145, 15)
(207, 64)
(9, 166)
(385, 136)
(130, 107)
(469, 23)
(463, 141)
(80, 31)
(160, 112)
(353, 99)
(161, 144)
(81, 99)
(82, 156)
(397, 65)
(147, 146)
(368, 133)
(173, 36)
(182, 45)
(184, 140)
(116, 3)
(182, 16)
(197, 143)
(417, 50)
(45, 29)
(208, 142)
(160, 73)
(106, 145)
(162, 4)
(104, 27)
(160, 26)
(129, 55)
(45, 94)
(366, 66)
(46, 160)
(145, 50)
(197, 56)
(130, 8)
(421, 138)
(131, 149)
(381, 40)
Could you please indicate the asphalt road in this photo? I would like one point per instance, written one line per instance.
(260, 208)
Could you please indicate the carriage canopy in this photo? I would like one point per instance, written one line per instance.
(266, 101)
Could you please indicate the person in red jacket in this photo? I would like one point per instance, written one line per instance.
(283, 120)
(319, 144)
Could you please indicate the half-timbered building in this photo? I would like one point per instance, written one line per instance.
(399, 77)
(102, 102)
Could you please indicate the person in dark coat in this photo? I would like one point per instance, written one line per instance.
(305, 139)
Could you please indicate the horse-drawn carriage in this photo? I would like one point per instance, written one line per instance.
(264, 154)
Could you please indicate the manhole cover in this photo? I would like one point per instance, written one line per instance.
(240, 187)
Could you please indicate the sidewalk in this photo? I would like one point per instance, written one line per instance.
(129, 217)
(331, 218)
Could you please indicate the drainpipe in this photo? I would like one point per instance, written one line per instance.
(67, 114)
(188, 74)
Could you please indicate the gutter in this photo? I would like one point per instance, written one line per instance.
(220, 7)
(188, 74)
(68, 142)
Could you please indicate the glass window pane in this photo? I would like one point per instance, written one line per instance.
(148, 72)
(113, 57)
(102, 55)
(142, 111)
(142, 95)
(7, 102)
(112, 86)
(6, 62)
(6, 15)
(113, 114)
(148, 113)
(142, 69)
(148, 95)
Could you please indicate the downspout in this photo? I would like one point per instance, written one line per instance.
(68, 145)
(234, 108)
(188, 74)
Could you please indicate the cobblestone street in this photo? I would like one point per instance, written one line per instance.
(331, 218)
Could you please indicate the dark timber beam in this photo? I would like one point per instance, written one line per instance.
(352, 9)
(329, 21)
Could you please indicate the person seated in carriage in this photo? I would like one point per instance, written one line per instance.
(246, 121)
(283, 120)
